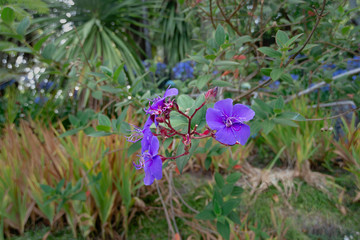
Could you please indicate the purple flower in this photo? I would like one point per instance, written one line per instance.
(160, 104)
(228, 120)
(149, 159)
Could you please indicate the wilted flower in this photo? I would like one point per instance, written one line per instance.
(228, 121)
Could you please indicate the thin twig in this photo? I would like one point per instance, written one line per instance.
(182, 200)
(333, 117)
(164, 207)
(169, 178)
(211, 16)
(339, 47)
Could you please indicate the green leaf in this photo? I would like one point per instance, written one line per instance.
(39, 43)
(281, 38)
(264, 106)
(270, 52)
(227, 189)
(276, 73)
(23, 26)
(229, 205)
(266, 71)
(237, 191)
(292, 116)
(106, 70)
(285, 122)
(73, 120)
(185, 102)
(219, 180)
(48, 51)
(110, 89)
(19, 49)
(220, 35)
(279, 103)
(81, 196)
(178, 121)
(133, 148)
(223, 229)
(287, 78)
(8, 15)
(255, 127)
(208, 163)
(202, 81)
(233, 178)
(206, 215)
(97, 95)
(267, 126)
(70, 132)
(292, 40)
(103, 128)
(99, 134)
(104, 120)
(226, 63)
(234, 217)
(181, 161)
(220, 83)
(309, 46)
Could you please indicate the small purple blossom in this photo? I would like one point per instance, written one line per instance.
(149, 160)
(228, 120)
(160, 104)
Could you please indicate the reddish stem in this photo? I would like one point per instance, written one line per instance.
(175, 157)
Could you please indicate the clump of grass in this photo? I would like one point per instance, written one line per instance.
(309, 214)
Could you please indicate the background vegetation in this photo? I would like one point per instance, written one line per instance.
(76, 75)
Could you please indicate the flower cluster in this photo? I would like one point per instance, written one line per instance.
(184, 70)
(225, 124)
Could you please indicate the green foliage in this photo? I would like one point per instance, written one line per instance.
(224, 202)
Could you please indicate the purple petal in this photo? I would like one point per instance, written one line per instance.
(225, 106)
(156, 168)
(214, 119)
(148, 179)
(171, 92)
(243, 112)
(154, 146)
(145, 142)
(243, 134)
(226, 136)
(147, 124)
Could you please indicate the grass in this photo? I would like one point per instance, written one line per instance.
(309, 215)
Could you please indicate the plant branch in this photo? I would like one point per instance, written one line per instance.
(319, 16)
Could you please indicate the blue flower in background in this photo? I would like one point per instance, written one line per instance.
(273, 85)
(41, 100)
(323, 89)
(354, 63)
(146, 64)
(6, 84)
(170, 83)
(47, 86)
(329, 66)
(338, 72)
(294, 76)
(184, 70)
(160, 70)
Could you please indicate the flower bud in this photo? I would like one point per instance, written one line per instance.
(211, 93)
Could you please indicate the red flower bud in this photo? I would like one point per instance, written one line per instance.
(211, 93)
